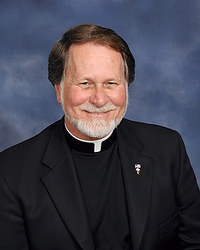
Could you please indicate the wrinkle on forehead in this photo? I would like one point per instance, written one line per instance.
(90, 59)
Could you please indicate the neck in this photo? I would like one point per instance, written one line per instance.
(96, 142)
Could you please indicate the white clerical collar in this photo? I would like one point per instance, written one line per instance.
(97, 143)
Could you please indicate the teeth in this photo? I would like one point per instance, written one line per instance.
(97, 113)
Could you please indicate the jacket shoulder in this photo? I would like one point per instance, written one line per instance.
(144, 129)
(153, 137)
(26, 148)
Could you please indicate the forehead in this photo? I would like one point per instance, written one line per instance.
(93, 50)
(94, 61)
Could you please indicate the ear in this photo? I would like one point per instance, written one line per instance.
(58, 92)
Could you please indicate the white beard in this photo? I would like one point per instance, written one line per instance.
(97, 128)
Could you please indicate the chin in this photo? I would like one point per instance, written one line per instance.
(98, 128)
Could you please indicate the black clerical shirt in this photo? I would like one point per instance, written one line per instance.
(102, 185)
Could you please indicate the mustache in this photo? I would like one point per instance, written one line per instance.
(93, 109)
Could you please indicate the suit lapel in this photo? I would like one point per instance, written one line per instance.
(63, 186)
(137, 187)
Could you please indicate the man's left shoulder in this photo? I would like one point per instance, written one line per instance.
(149, 134)
(145, 129)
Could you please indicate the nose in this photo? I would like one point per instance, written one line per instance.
(99, 97)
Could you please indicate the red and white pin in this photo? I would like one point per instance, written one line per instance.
(138, 168)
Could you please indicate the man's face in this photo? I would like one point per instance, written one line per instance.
(93, 92)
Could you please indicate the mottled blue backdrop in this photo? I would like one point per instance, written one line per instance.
(164, 37)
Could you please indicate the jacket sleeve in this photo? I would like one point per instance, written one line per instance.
(12, 228)
(188, 202)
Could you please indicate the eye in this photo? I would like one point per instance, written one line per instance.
(111, 84)
(84, 84)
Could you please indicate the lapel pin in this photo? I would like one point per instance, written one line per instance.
(138, 168)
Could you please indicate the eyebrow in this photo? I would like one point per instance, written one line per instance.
(91, 79)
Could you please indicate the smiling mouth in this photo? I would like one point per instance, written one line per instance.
(97, 113)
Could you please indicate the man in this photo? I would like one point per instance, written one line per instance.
(94, 180)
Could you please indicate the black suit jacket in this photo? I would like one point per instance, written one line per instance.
(42, 206)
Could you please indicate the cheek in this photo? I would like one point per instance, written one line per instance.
(119, 98)
(74, 97)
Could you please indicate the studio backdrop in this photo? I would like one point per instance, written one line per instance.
(164, 37)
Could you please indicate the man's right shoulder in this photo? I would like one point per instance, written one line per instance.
(33, 144)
